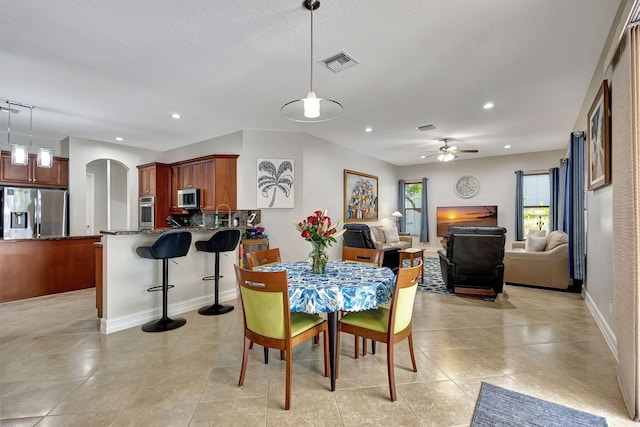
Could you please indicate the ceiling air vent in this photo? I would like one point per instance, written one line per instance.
(339, 62)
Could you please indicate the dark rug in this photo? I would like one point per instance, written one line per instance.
(501, 407)
(433, 282)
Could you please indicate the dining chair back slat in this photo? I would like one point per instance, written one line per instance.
(363, 255)
(262, 258)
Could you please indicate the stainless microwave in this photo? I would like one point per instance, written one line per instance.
(189, 198)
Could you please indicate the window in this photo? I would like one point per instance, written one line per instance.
(535, 203)
(412, 207)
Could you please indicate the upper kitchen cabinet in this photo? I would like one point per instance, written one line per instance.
(214, 175)
(154, 180)
(56, 176)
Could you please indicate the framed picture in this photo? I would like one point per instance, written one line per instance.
(599, 140)
(274, 183)
(360, 197)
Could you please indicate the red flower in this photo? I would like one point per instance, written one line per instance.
(305, 234)
(318, 213)
(313, 220)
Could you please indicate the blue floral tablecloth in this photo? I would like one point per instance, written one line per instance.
(345, 286)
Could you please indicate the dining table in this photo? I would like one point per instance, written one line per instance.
(344, 286)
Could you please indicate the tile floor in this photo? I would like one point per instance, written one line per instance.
(56, 369)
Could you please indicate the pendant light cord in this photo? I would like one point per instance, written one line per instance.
(311, 59)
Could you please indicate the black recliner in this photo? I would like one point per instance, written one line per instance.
(172, 244)
(359, 236)
(474, 258)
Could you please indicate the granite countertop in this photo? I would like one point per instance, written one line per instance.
(36, 239)
(165, 229)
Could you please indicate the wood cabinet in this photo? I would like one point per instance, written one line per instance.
(56, 176)
(214, 175)
(154, 180)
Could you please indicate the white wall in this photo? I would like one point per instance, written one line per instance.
(497, 184)
(99, 169)
(84, 151)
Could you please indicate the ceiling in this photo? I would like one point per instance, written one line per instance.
(100, 70)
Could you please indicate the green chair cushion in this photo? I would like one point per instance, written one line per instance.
(375, 320)
(300, 322)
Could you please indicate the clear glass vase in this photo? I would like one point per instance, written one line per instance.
(318, 257)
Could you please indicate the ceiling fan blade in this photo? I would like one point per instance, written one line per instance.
(465, 151)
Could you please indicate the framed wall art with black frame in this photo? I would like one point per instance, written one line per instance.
(599, 140)
(360, 197)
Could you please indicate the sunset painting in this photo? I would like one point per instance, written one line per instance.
(465, 215)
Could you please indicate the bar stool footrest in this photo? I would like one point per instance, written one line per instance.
(159, 288)
(211, 277)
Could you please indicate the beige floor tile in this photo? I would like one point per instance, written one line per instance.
(538, 342)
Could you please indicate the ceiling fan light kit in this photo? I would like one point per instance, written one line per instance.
(311, 109)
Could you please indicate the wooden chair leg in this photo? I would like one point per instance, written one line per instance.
(245, 359)
(287, 397)
(281, 354)
(266, 355)
(413, 358)
(357, 347)
(364, 346)
(390, 371)
(373, 347)
(326, 354)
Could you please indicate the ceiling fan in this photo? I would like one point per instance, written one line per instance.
(448, 152)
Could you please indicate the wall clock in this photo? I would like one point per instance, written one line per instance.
(467, 186)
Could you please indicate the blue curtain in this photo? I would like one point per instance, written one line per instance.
(424, 217)
(519, 207)
(574, 207)
(554, 201)
(401, 205)
(562, 190)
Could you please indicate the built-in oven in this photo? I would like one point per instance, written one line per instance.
(146, 218)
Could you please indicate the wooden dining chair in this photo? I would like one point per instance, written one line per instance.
(268, 321)
(364, 256)
(262, 258)
(388, 325)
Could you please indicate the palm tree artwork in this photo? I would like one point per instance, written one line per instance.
(274, 179)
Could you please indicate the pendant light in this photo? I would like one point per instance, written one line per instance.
(311, 109)
(20, 153)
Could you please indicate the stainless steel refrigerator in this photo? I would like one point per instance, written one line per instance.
(34, 212)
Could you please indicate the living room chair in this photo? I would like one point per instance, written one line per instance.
(262, 258)
(361, 236)
(388, 325)
(269, 322)
(473, 261)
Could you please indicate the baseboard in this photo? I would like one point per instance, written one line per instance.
(140, 318)
(606, 331)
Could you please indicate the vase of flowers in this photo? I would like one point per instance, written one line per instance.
(318, 230)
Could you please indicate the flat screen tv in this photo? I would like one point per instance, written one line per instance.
(465, 215)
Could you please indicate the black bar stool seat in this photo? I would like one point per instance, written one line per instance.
(172, 244)
(221, 241)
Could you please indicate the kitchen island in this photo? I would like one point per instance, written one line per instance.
(44, 266)
(126, 278)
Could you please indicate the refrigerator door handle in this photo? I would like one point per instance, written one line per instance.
(38, 214)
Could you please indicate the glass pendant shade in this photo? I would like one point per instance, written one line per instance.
(446, 157)
(45, 158)
(19, 155)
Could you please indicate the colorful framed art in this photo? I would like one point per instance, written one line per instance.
(360, 196)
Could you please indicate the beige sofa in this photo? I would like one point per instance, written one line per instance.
(380, 240)
(547, 268)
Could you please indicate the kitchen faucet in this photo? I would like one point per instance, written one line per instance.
(228, 213)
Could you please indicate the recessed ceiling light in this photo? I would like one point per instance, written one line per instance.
(368, 129)
(423, 157)
(488, 106)
(176, 116)
(119, 138)
(507, 146)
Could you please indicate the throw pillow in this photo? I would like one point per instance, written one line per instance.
(377, 234)
(535, 244)
(391, 235)
(555, 239)
(536, 233)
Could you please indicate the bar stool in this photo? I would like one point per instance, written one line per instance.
(221, 241)
(172, 244)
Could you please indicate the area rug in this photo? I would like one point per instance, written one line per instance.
(497, 406)
(433, 282)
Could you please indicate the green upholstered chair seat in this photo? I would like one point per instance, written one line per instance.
(375, 320)
(300, 322)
